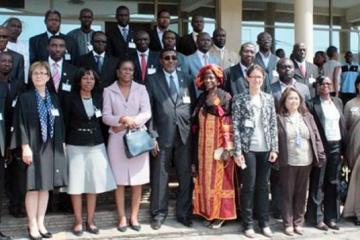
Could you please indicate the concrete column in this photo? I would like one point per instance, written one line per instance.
(304, 29)
(270, 21)
(344, 36)
(229, 17)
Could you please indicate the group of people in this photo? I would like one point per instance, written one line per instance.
(229, 123)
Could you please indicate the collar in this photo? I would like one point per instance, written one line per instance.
(167, 74)
(126, 27)
(51, 62)
(219, 49)
(146, 53)
(194, 34)
(96, 54)
(292, 83)
(49, 34)
(5, 50)
(159, 30)
(263, 56)
(243, 67)
(200, 53)
(323, 101)
(299, 63)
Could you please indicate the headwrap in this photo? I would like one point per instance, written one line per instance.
(47, 119)
(217, 70)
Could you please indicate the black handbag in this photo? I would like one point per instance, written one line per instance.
(137, 142)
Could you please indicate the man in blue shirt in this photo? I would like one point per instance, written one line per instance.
(349, 73)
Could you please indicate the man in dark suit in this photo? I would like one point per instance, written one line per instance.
(146, 61)
(15, 180)
(3, 98)
(235, 76)
(17, 71)
(156, 34)
(38, 44)
(121, 39)
(265, 58)
(188, 41)
(304, 72)
(172, 97)
(100, 61)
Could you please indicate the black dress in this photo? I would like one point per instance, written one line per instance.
(49, 167)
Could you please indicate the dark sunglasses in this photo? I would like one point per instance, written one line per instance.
(167, 58)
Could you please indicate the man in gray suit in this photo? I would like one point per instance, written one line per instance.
(304, 72)
(172, 98)
(202, 55)
(265, 58)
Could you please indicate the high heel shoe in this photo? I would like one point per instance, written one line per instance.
(134, 227)
(46, 235)
(32, 237)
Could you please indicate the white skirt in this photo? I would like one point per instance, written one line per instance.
(89, 170)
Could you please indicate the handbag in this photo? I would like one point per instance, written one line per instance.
(137, 142)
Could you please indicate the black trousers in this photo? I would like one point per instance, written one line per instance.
(324, 200)
(275, 192)
(254, 191)
(180, 155)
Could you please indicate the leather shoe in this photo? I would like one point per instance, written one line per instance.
(299, 230)
(333, 225)
(322, 226)
(122, 228)
(46, 235)
(4, 237)
(156, 224)
(134, 227)
(185, 221)
(92, 230)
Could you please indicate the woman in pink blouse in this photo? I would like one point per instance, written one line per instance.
(126, 105)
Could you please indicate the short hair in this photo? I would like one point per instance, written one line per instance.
(162, 11)
(6, 54)
(162, 51)
(82, 72)
(122, 7)
(39, 64)
(168, 32)
(86, 10)
(56, 37)
(124, 60)
(263, 34)
(10, 19)
(285, 95)
(245, 45)
(357, 81)
(96, 33)
(330, 51)
(320, 79)
(322, 53)
(255, 67)
(52, 11)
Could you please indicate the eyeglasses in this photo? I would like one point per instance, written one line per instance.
(167, 58)
(325, 84)
(40, 73)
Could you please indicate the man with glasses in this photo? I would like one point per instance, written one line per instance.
(157, 33)
(100, 61)
(172, 98)
(121, 39)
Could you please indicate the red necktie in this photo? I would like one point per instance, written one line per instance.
(302, 69)
(143, 66)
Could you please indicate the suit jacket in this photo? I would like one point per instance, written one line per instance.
(243, 112)
(235, 81)
(152, 62)
(315, 108)
(311, 72)
(187, 45)
(194, 63)
(3, 98)
(230, 58)
(316, 145)
(79, 128)
(108, 72)
(38, 48)
(302, 88)
(116, 44)
(17, 71)
(271, 67)
(68, 74)
(169, 116)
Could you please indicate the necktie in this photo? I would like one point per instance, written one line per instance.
(143, 66)
(56, 76)
(125, 34)
(302, 69)
(173, 90)
(99, 63)
(205, 59)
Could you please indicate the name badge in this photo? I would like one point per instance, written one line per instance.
(312, 80)
(66, 87)
(1, 117)
(151, 70)
(186, 99)
(275, 73)
(178, 68)
(132, 45)
(98, 113)
(13, 104)
(67, 56)
(55, 112)
(89, 46)
(249, 124)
